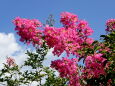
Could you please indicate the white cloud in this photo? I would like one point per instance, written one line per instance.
(9, 47)
(8, 44)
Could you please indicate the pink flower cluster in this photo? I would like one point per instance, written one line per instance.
(68, 19)
(68, 69)
(84, 28)
(62, 39)
(27, 30)
(68, 38)
(10, 61)
(94, 66)
(110, 25)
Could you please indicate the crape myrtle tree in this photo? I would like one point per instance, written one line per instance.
(72, 38)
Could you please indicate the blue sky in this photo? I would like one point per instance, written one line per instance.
(96, 12)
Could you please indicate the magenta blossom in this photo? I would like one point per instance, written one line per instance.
(10, 61)
(27, 30)
(110, 25)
